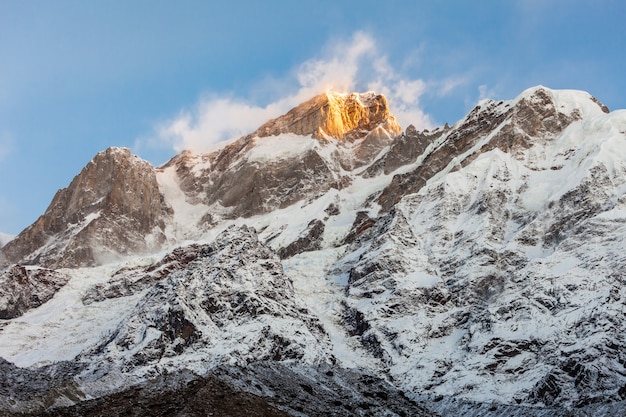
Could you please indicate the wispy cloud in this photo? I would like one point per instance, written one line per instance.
(485, 92)
(355, 64)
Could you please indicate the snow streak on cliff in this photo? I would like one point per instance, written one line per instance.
(330, 261)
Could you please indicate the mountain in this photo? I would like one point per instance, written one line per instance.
(113, 207)
(5, 238)
(330, 263)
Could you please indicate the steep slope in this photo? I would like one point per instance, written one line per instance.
(332, 266)
(111, 209)
(24, 288)
(502, 279)
(228, 320)
(536, 116)
(338, 116)
(303, 154)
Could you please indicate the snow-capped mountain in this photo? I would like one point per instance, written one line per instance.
(5, 238)
(331, 264)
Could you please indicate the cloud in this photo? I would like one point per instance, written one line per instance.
(448, 85)
(484, 92)
(356, 64)
(214, 120)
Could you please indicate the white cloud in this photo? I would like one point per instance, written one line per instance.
(213, 120)
(353, 65)
(448, 85)
(485, 92)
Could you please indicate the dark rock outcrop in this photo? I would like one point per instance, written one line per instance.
(22, 289)
(310, 240)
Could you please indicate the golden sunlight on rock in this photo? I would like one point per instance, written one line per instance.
(336, 115)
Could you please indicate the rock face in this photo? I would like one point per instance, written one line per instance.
(22, 289)
(116, 206)
(471, 278)
(234, 302)
(490, 125)
(112, 208)
(302, 154)
(339, 116)
(328, 266)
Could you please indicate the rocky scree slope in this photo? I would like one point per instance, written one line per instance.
(475, 269)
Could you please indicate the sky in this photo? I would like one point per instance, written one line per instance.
(160, 76)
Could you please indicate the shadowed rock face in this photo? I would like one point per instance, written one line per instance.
(340, 116)
(108, 210)
(531, 119)
(245, 188)
(22, 289)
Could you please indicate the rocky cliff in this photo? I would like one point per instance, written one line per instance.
(330, 264)
(305, 153)
(337, 116)
(111, 209)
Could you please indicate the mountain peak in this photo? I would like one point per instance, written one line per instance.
(336, 115)
(111, 208)
(566, 101)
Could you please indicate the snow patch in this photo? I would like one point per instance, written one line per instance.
(63, 327)
(284, 146)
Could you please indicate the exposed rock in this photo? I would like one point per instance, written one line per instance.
(22, 289)
(325, 391)
(361, 223)
(189, 396)
(236, 281)
(405, 149)
(242, 188)
(514, 129)
(310, 240)
(332, 210)
(112, 208)
(340, 116)
(128, 281)
(261, 389)
(483, 271)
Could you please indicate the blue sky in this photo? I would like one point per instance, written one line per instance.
(158, 76)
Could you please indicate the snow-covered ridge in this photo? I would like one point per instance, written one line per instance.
(477, 267)
(567, 101)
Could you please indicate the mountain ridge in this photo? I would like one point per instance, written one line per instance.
(336, 115)
(475, 268)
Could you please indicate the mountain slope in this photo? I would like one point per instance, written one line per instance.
(113, 208)
(502, 279)
(475, 269)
